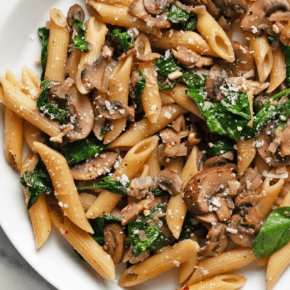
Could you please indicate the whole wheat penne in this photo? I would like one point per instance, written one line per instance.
(38, 213)
(125, 3)
(119, 90)
(153, 163)
(225, 262)
(64, 187)
(32, 134)
(145, 128)
(87, 199)
(26, 108)
(31, 83)
(57, 46)
(73, 63)
(129, 167)
(120, 16)
(85, 245)
(159, 263)
(165, 99)
(221, 282)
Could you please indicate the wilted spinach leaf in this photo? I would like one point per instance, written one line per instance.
(43, 34)
(123, 38)
(220, 147)
(139, 87)
(79, 41)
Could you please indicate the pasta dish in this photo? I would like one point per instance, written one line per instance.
(158, 137)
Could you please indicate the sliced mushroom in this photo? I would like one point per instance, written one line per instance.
(208, 218)
(284, 136)
(232, 8)
(179, 124)
(140, 187)
(60, 90)
(169, 181)
(217, 241)
(94, 166)
(138, 9)
(204, 186)
(214, 81)
(240, 234)
(251, 180)
(219, 161)
(155, 7)
(134, 260)
(81, 112)
(75, 12)
(256, 19)
(132, 210)
(265, 138)
(114, 110)
(115, 242)
(189, 58)
(92, 75)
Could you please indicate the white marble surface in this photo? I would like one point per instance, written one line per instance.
(15, 272)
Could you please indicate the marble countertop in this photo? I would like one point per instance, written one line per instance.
(15, 272)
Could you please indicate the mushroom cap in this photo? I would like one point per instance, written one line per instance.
(94, 167)
(231, 8)
(75, 12)
(155, 7)
(82, 114)
(115, 240)
(273, 159)
(203, 186)
(169, 181)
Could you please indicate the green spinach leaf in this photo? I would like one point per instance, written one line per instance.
(36, 183)
(187, 20)
(167, 65)
(139, 87)
(123, 38)
(79, 41)
(43, 34)
(47, 109)
(286, 51)
(80, 150)
(187, 228)
(166, 86)
(274, 234)
(155, 238)
(220, 147)
(51, 144)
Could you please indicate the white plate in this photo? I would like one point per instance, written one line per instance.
(19, 21)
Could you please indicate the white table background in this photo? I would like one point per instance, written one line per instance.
(15, 272)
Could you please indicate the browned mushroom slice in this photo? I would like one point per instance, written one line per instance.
(75, 12)
(251, 180)
(285, 141)
(214, 81)
(82, 114)
(222, 210)
(232, 8)
(218, 161)
(138, 9)
(61, 89)
(115, 242)
(256, 19)
(244, 61)
(240, 234)
(140, 186)
(134, 260)
(130, 212)
(155, 7)
(217, 241)
(94, 167)
(265, 138)
(114, 110)
(169, 181)
(179, 124)
(92, 75)
(204, 186)
(189, 58)
(208, 218)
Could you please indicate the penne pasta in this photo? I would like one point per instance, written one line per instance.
(153, 163)
(57, 46)
(96, 32)
(221, 282)
(262, 54)
(31, 83)
(225, 262)
(145, 128)
(63, 183)
(189, 39)
(159, 263)
(85, 245)
(38, 213)
(32, 134)
(215, 36)
(278, 72)
(129, 167)
(119, 90)
(25, 107)
(87, 199)
(120, 16)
